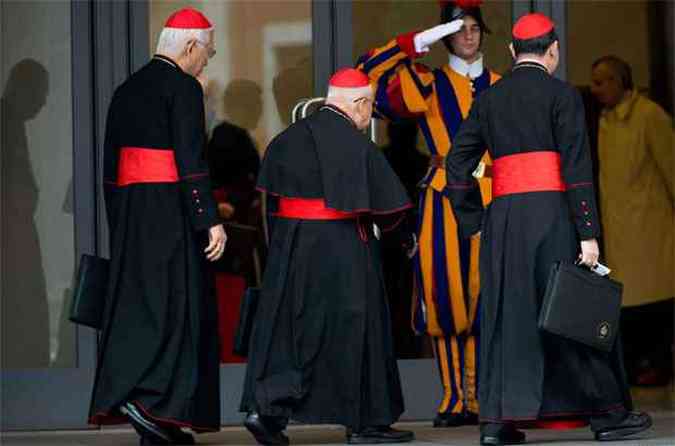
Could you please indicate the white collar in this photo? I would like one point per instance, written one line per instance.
(460, 66)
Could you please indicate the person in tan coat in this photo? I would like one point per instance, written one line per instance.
(635, 157)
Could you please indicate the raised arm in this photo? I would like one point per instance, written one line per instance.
(403, 86)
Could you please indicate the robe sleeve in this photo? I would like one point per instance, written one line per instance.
(187, 121)
(462, 188)
(403, 88)
(659, 135)
(576, 165)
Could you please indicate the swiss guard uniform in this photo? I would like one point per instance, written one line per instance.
(321, 350)
(159, 348)
(543, 202)
(446, 267)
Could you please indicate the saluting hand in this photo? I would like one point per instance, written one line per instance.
(427, 38)
(590, 252)
(217, 241)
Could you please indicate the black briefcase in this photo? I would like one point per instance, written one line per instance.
(247, 310)
(582, 306)
(90, 291)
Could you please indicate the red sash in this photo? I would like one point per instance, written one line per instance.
(310, 209)
(143, 165)
(527, 172)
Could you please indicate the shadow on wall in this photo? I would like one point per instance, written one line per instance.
(25, 314)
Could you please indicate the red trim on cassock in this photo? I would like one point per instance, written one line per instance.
(567, 416)
(143, 165)
(106, 419)
(527, 172)
(560, 424)
(310, 209)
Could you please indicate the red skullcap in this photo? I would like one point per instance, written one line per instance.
(349, 78)
(188, 18)
(531, 26)
(462, 4)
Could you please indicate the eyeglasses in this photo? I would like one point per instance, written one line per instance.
(210, 50)
(367, 100)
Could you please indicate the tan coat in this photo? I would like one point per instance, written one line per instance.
(636, 198)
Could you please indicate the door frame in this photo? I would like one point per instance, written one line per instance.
(58, 398)
(106, 46)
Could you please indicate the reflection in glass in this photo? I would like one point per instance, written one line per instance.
(37, 243)
(262, 67)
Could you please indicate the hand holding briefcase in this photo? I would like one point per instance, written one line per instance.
(582, 306)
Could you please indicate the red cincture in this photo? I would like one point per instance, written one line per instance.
(315, 209)
(527, 172)
(143, 165)
(310, 209)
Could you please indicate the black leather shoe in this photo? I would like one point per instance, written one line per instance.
(456, 419)
(146, 428)
(449, 420)
(634, 423)
(509, 435)
(470, 419)
(262, 432)
(179, 436)
(379, 435)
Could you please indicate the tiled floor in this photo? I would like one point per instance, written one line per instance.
(659, 402)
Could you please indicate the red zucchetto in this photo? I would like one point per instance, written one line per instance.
(188, 18)
(531, 26)
(349, 78)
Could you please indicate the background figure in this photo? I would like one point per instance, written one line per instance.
(234, 163)
(410, 166)
(24, 294)
(232, 155)
(290, 86)
(635, 156)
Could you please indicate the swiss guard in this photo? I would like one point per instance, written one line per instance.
(446, 266)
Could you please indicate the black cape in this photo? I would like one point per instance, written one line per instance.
(526, 374)
(159, 344)
(321, 349)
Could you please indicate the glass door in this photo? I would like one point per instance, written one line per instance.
(263, 65)
(47, 203)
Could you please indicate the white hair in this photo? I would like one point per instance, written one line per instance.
(349, 94)
(172, 41)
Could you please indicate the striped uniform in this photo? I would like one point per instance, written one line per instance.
(447, 282)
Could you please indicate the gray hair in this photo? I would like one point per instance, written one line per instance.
(349, 94)
(172, 41)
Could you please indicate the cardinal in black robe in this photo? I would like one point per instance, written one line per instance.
(158, 364)
(543, 211)
(321, 349)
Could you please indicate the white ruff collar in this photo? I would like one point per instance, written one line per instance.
(460, 66)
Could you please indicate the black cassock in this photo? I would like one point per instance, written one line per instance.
(159, 345)
(321, 349)
(526, 374)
